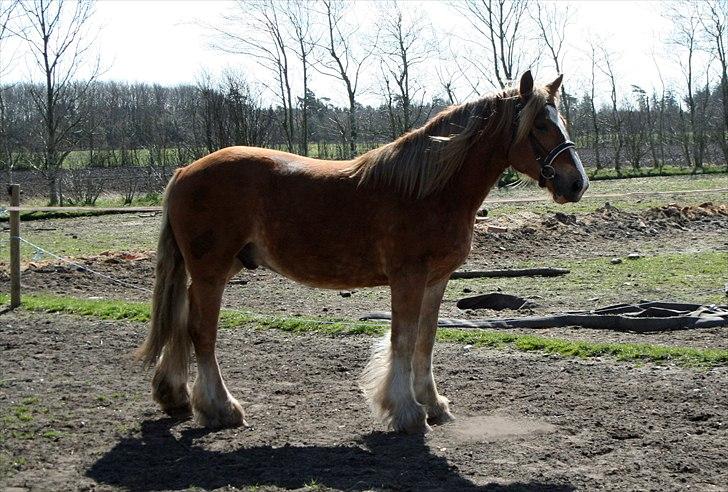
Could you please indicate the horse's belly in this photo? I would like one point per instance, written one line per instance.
(322, 268)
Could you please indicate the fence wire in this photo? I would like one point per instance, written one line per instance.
(81, 267)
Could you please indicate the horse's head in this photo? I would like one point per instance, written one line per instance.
(540, 145)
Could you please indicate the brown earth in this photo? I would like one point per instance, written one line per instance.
(77, 416)
(75, 413)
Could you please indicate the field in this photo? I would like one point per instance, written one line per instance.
(549, 409)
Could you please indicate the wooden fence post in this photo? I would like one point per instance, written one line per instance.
(14, 191)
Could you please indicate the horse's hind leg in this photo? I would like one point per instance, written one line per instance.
(438, 410)
(387, 378)
(169, 384)
(212, 404)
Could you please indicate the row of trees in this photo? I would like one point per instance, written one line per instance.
(66, 108)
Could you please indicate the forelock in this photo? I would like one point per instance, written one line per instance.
(526, 116)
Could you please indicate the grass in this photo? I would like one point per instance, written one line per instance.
(80, 237)
(628, 172)
(19, 422)
(120, 310)
(615, 186)
(109, 201)
(690, 277)
(52, 434)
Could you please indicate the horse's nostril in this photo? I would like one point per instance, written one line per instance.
(576, 186)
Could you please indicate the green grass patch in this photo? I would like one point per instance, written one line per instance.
(71, 214)
(118, 310)
(648, 171)
(590, 201)
(82, 237)
(632, 185)
(52, 434)
(98, 308)
(697, 277)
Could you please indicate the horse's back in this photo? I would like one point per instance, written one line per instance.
(243, 160)
(299, 216)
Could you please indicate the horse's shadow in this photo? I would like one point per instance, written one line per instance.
(159, 461)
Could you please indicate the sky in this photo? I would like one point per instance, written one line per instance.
(163, 42)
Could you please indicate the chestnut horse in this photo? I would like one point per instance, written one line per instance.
(401, 215)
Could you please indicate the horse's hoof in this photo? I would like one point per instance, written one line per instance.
(174, 399)
(417, 428)
(440, 418)
(413, 420)
(440, 414)
(181, 412)
(229, 414)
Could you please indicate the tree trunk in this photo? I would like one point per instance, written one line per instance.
(352, 126)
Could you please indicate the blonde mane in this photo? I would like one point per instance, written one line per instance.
(422, 161)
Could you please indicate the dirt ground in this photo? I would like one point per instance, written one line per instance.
(75, 411)
(77, 416)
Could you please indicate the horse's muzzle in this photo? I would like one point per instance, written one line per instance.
(570, 187)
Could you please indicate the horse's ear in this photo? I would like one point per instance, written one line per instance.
(553, 87)
(526, 86)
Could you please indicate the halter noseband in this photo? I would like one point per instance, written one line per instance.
(544, 158)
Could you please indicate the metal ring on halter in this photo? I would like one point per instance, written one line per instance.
(547, 169)
(548, 172)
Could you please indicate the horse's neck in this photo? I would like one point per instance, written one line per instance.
(477, 175)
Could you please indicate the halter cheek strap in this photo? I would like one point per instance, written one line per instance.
(544, 158)
(546, 163)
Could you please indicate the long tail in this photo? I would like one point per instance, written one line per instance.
(169, 301)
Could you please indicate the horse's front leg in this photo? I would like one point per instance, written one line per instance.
(438, 410)
(212, 404)
(387, 378)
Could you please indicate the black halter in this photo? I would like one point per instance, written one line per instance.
(544, 158)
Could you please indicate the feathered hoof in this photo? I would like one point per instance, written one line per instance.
(181, 412)
(410, 420)
(174, 399)
(439, 413)
(225, 415)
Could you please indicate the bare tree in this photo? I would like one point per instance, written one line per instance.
(686, 23)
(8, 10)
(658, 155)
(210, 108)
(637, 127)
(499, 23)
(615, 121)
(404, 47)
(593, 57)
(304, 41)
(714, 20)
(260, 33)
(446, 79)
(59, 40)
(552, 20)
(343, 60)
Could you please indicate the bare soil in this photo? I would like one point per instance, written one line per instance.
(77, 416)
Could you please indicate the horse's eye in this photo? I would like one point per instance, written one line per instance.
(540, 126)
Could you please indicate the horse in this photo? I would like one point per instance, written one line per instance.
(400, 215)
